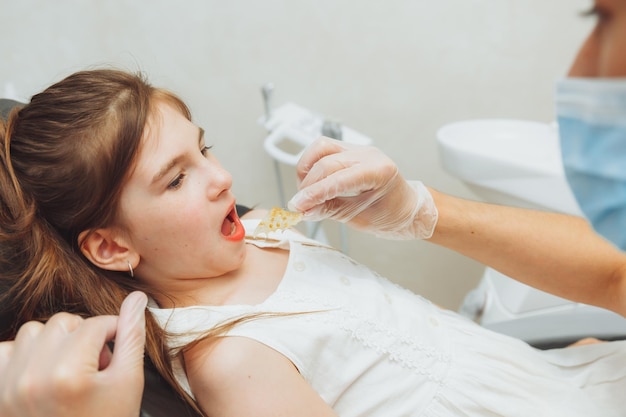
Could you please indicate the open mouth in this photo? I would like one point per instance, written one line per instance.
(232, 229)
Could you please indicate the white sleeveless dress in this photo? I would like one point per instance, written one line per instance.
(371, 348)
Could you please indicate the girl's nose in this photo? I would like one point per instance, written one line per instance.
(220, 180)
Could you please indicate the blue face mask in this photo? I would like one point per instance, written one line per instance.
(592, 127)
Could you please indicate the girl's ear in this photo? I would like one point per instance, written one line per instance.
(106, 249)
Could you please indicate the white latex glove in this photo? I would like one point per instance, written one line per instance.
(360, 185)
(65, 369)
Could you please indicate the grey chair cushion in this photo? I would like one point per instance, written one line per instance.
(6, 105)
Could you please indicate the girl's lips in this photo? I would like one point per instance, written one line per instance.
(232, 229)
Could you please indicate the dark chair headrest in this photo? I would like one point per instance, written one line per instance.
(6, 105)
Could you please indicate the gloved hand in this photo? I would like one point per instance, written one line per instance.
(361, 186)
(64, 367)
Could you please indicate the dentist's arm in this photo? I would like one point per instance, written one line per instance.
(64, 368)
(557, 253)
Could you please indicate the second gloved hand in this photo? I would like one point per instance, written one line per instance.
(361, 186)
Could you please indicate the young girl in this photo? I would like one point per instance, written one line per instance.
(108, 187)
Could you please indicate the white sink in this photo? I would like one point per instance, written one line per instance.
(512, 162)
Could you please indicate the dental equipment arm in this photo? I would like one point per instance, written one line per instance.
(361, 186)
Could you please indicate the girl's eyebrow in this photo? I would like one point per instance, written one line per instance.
(176, 160)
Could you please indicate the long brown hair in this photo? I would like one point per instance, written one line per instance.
(64, 158)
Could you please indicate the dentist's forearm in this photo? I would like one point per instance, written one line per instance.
(557, 253)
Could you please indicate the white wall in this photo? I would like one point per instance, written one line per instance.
(395, 70)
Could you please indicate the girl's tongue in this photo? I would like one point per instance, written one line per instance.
(232, 229)
(228, 227)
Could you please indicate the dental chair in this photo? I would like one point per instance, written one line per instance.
(159, 399)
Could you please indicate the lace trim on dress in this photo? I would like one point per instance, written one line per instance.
(408, 351)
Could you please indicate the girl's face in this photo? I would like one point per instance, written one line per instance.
(603, 54)
(177, 209)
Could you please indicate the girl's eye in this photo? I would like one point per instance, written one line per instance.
(178, 181)
(596, 12)
(205, 150)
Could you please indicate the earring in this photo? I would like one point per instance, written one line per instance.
(130, 270)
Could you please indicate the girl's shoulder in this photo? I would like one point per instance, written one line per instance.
(225, 370)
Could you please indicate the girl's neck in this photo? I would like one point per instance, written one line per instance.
(252, 283)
